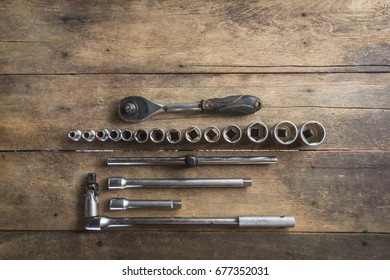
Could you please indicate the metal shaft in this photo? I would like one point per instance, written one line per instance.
(189, 160)
(124, 204)
(99, 223)
(123, 183)
(94, 222)
(181, 107)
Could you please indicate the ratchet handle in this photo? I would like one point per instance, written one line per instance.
(238, 105)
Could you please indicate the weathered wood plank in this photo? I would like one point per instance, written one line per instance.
(325, 191)
(192, 36)
(192, 245)
(37, 112)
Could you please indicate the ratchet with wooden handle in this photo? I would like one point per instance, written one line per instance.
(138, 108)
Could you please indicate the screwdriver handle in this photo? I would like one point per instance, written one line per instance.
(232, 105)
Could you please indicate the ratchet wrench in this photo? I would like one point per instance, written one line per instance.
(138, 108)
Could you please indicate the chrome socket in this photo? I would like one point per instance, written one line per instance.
(127, 135)
(115, 135)
(312, 133)
(102, 135)
(193, 134)
(174, 136)
(89, 135)
(212, 134)
(157, 135)
(257, 132)
(141, 136)
(74, 135)
(232, 133)
(285, 132)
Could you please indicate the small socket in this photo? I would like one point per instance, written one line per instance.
(193, 134)
(74, 135)
(212, 134)
(232, 133)
(312, 133)
(127, 135)
(102, 134)
(157, 135)
(115, 135)
(141, 135)
(257, 132)
(89, 135)
(174, 136)
(285, 133)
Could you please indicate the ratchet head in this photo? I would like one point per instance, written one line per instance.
(137, 108)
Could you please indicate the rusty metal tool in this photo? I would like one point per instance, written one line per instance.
(138, 108)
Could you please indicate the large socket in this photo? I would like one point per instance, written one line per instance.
(285, 133)
(174, 136)
(127, 135)
(312, 133)
(212, 134)
(257, 132)
(193, 134)
(232, 133)
(115, 135)
(141, 136)
(157, 135)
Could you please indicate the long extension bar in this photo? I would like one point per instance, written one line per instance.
(123, 183)
(189, 160)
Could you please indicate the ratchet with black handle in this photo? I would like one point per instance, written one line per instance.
(138, 108)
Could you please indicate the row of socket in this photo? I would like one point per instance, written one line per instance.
(311, 133)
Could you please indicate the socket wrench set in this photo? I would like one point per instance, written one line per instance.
(136, 109)
(311, 133)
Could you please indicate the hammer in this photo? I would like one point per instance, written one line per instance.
(94, 222)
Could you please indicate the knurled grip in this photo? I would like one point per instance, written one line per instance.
(266, 221)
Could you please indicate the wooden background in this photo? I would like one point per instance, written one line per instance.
(67, 65)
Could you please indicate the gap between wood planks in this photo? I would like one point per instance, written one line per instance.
(205, 231)
(191, 151)
(268, 69)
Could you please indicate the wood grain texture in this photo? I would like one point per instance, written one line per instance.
(38, 111)
(67, 64)
(325, 191)
(193, 36)
(191, 245)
